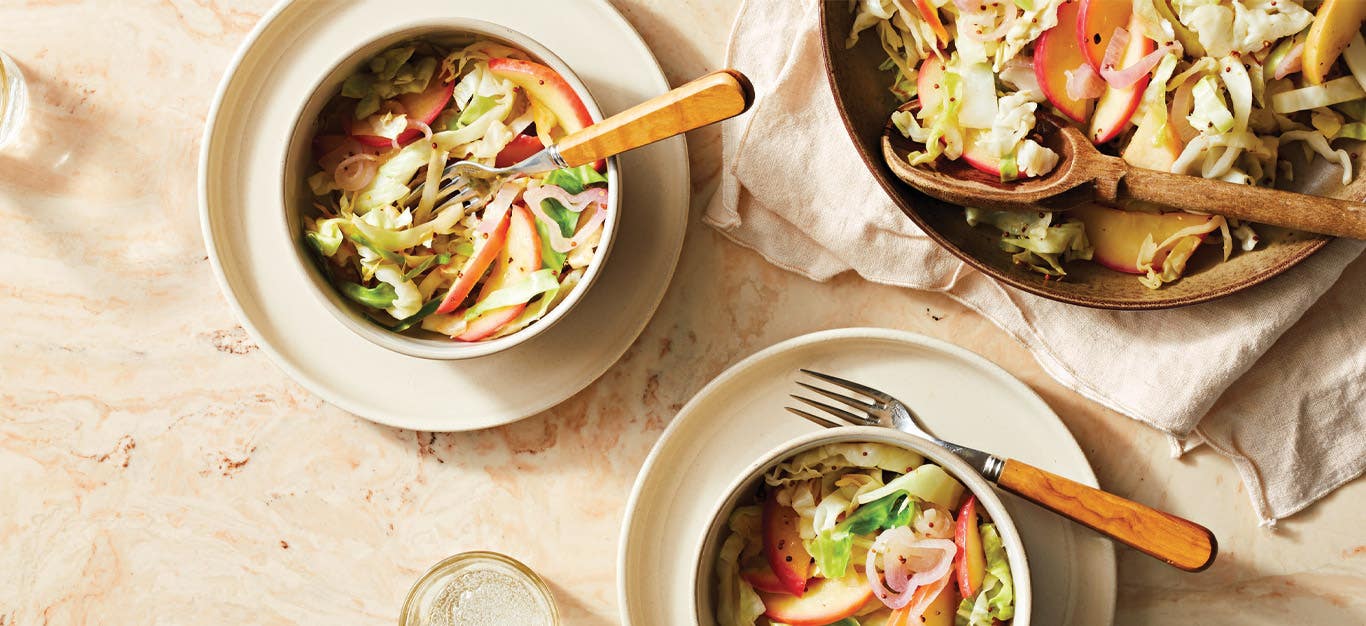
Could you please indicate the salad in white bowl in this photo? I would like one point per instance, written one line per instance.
(861, 534)
(414, 261)
(1234, 90)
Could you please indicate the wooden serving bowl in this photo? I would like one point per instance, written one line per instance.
(865, 103)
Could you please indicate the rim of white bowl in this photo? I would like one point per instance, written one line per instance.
(708, 542)
(346, 313)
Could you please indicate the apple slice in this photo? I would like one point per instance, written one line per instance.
(423, 106)
(930, 86)
(479, 263)
(931, 15)
(826, 601)
(1057, 52)
(1154, 146)
(970, 565)
(1117, 235)
(763, 579)
(929, 82)
(518, 259)
(1117, 106)
(547, 88)
(521, 147)
(940, 611)
(1096, 24)
(943, 610)
(783, 546)
(1336, 22)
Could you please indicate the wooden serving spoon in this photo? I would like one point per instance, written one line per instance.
(1084, 175)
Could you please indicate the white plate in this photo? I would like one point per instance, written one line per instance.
(739, 416)
(240, 205)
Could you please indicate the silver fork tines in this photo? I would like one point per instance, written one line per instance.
(881, 397)
(880, 409)
(834, 410)
(818, 420)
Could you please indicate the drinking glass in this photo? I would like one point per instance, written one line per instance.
(13, 99)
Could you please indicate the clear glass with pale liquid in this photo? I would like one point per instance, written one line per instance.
(479, 589)
(13, 99)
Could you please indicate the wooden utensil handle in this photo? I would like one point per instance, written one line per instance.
(717, 96)
(1315, 214)
(1178, 542)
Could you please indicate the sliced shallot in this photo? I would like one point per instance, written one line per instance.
(909, 563)
(1124, 78)
(1293, 62)
(355, 172)
(560, 243)
(421, 126)
(577, 203)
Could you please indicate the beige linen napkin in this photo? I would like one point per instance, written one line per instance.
(1285, 360)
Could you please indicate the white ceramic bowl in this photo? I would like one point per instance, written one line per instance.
(296, 165)
(709, 542)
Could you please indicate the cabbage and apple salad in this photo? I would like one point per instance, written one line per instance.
(862, 534)
(1224, 89)
(407, 257)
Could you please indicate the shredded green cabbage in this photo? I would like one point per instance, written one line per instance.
(737, 603)
(520, 292)
(833, 547)
(838, 456)
(1035, 240)
(927, 482)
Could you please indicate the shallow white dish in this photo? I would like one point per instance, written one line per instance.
(739, 416)
(240, 190)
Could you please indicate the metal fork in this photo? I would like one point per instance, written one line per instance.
(712, 98)
(1178, 542)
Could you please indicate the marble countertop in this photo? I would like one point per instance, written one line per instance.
(156, 468)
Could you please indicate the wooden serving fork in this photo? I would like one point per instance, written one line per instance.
(718, 96)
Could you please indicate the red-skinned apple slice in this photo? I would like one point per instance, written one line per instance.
(931, 15)
(422, 106)
(1057, 52)
(517, 260)
(783, 546)
(1117, 106)
(763, 579)
(1117, 235)
(826, 601)
(977, 157)
(930, 85)
(1154, 146)
(970, 564)
(546, 87)
(521, 147)
(929, 82)
(1096, 24)
(478, 264)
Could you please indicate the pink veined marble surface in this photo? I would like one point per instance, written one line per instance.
(156, 468)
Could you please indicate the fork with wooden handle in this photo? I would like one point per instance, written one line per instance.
(1175, 541)
(718, 96)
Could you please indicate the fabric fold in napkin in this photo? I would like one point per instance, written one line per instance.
(1269, 377)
